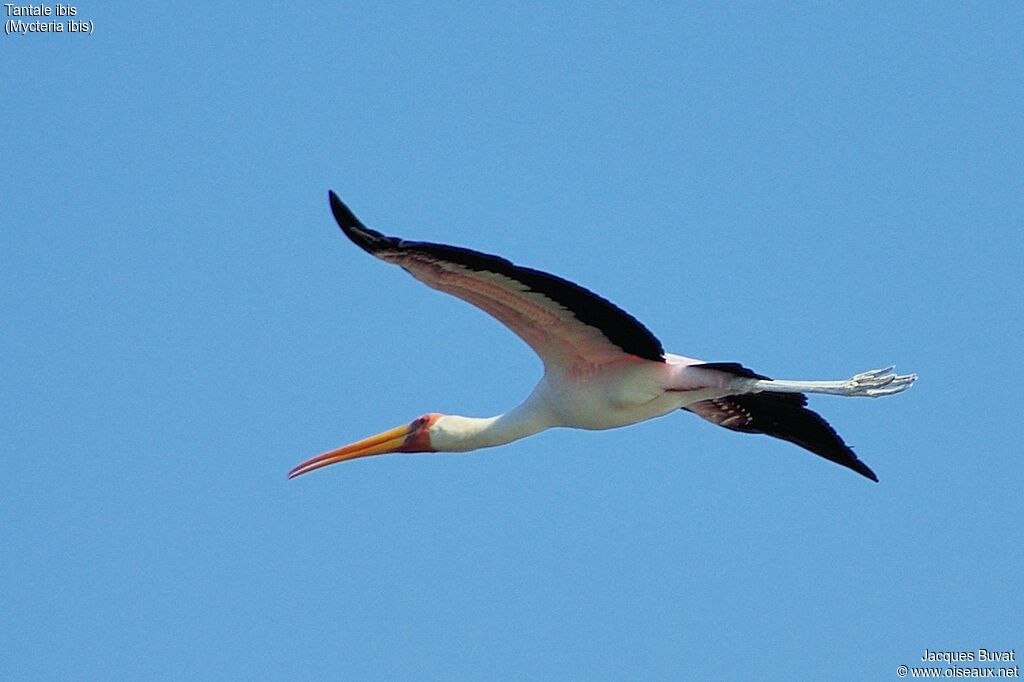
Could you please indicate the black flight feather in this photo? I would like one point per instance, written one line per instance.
(618, 326)
(780, 415)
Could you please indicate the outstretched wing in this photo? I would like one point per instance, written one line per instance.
(565, 324)
(781, 415)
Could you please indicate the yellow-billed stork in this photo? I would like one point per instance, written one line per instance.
(602, 368)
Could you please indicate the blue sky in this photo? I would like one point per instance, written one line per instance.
(810, 189)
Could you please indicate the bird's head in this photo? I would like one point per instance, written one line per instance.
(411, 437)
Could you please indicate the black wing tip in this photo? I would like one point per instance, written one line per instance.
(367, 239)
(342, 213)
(830, 445)
(860, 467)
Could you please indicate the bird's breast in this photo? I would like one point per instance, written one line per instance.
(610, 396)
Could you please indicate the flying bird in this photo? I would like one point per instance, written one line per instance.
(602, 368)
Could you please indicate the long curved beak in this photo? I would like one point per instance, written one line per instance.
(382, 443)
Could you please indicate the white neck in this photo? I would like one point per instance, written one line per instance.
(453, 433)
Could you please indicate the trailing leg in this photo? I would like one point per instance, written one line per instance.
(871, 384)
(778, 408)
